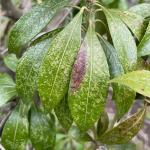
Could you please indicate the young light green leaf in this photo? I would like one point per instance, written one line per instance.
(15, 132)
(122, 95)
(11, 61)
(57, 65)
(63, 113)
(42, 130)
(141, 9)
(144, 46)
(7, 88)
(28, 67)
(125, 130)
(88, 87)
(32, 23)
(133, 21)
(122, 40)
(139, 81)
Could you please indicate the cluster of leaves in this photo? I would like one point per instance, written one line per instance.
(67, 71)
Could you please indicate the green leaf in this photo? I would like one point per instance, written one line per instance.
(141, 9)
(42, 130)
(28, 67)
(32, 23)
(15, 132)
(133, 21)
(11, 61)
(122, 95)
(57, 64)
(122, 40)
(125, 130)
(7, 88)
(88, 85)
(63, 114)
(139, 81)
(102, 124)
(144, 46)
(127, 146)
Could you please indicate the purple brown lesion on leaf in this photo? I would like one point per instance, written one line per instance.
(79, 68)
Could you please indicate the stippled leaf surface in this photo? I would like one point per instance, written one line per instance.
(88, 85)
(28, 67)
(122, 40)
(32, 23)
(57, 65)
(42, 130)
(7, 88)
(133, 21)
(124, 131)
(15, 132)
(144, 46)
(63, 113)
(141, 9)
(11, 61)
(139, 81)
(122, 95)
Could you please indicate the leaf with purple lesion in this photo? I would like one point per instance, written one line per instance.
(88, 86)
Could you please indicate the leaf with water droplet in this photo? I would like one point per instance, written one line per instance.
(124, 131)
(88, 85)
(56, 67)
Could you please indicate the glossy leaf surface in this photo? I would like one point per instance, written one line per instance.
(139, 81)
(11, 61)
(57, 64)
(133, 21)
(141, 9)
(122, 40)
(28, 67)
(32, 23)
(122, 95)
(15, 132)
(144, 46)
(88, 85)
(124, 131)
(7, 88)
(42, 130)
(63, 113)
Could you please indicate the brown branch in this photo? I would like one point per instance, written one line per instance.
(10, 10)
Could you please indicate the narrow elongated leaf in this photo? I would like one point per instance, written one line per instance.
(122, 40)
(28, 67)
(144, 46)
(63, 113)
(141, 9)
(42, 130)
(32, 23)
(11, 61)
(125, 130)
(136, 80)
(133, 21)
(122, 95)
(57, 65)
(15, 132)
(7, 88)
(88, 87)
